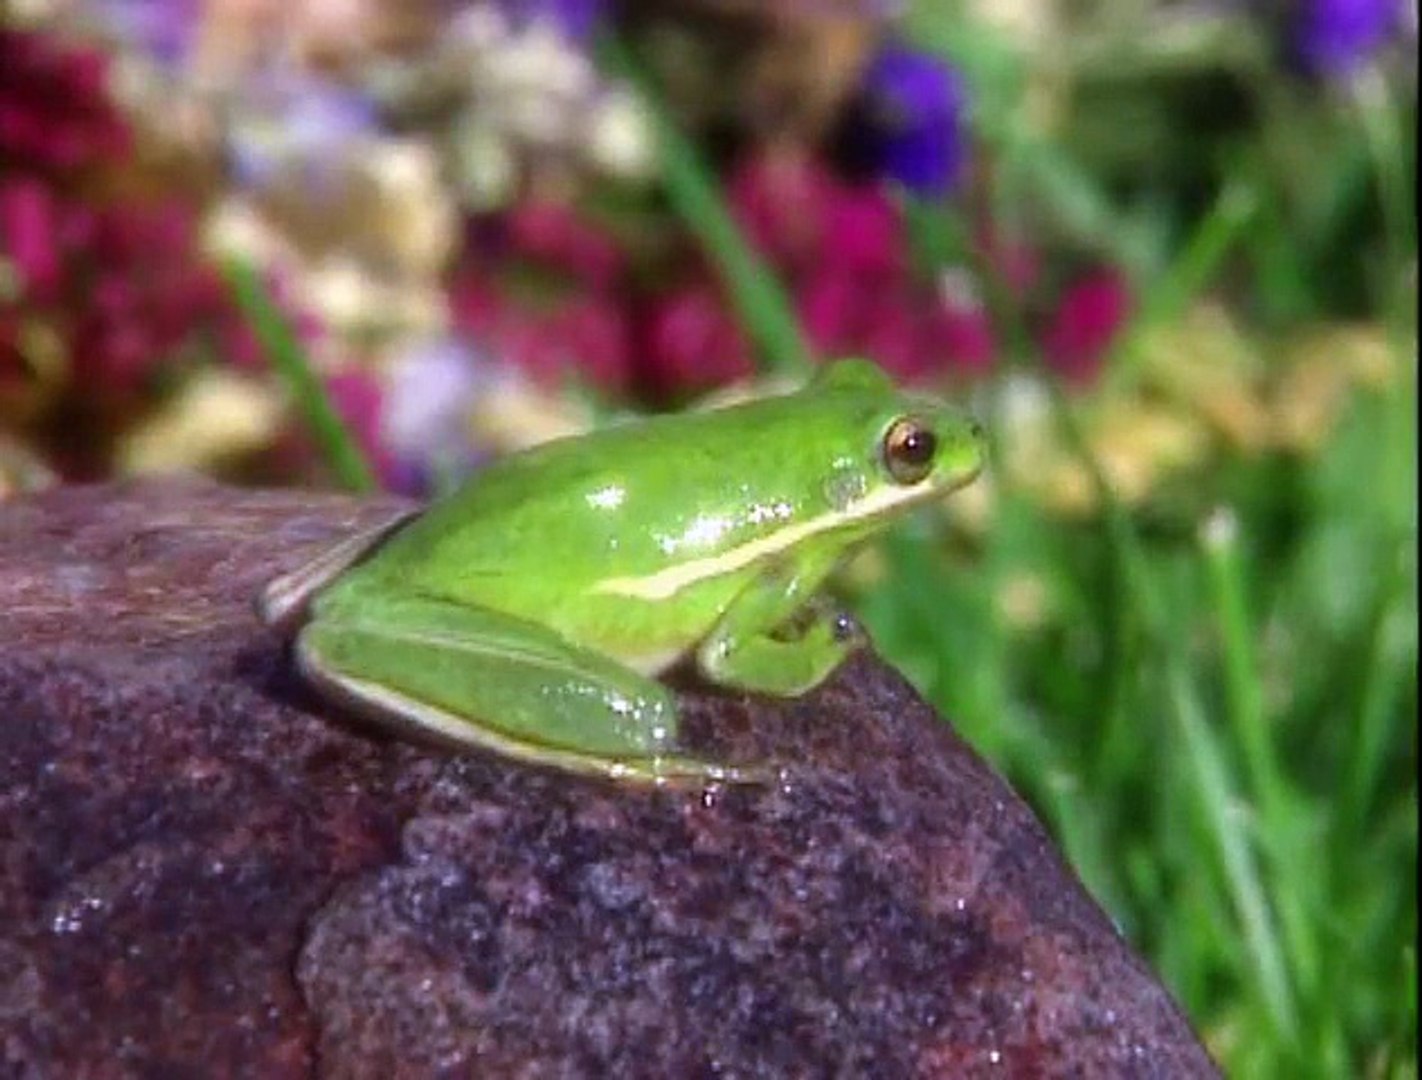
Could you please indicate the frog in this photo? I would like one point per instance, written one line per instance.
(533, 611)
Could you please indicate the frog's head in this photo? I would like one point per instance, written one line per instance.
(906, 448)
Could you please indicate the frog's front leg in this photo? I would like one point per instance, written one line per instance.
(778, 637)
(478, 677)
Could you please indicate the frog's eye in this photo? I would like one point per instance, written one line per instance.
(909, 447)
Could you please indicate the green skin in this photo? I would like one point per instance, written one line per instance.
(529, 611)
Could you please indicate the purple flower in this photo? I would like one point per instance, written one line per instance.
(163, 29)
(1336, 37)
(295, 126)
(577, 19)
(913, 120)
(426, 420)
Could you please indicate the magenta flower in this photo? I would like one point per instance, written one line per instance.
(55, 112)
(960, 338)
(866, 233)
(1082, 330)
(569, 336)
(692, 342)
(29, 237)
(782, 201)
(122, 285)
(357, 397)
(557, 238)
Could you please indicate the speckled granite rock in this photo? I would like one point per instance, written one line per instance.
(204, 873)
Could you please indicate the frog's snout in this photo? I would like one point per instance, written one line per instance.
(965, 450)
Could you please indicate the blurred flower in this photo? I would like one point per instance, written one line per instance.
(692, 342)
(295, 130)
(426, 420)
(554, 340)
(1328, 364)
(120, 283)
(1083, 328)
(909, 332)
(1138, 446)
(782, 201)
(913, 123)
(163, 30)
(1336, 37)
(215, 417)
(619, 139)
(138, 295)
(29, 241)
(56, 115)
(510, 413)
(358, 398)
(534, 100)
(555, 236)
(960, 337)
(867, 232)
(577, 19)
(800, 215)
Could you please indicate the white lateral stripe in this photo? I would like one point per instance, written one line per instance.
(673, 579)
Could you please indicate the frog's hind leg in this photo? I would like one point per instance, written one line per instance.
(475, 677)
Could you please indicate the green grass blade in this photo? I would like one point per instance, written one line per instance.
(333, 438)
(1227, 830)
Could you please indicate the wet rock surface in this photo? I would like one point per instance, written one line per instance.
(204, 871)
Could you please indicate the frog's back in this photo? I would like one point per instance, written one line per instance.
(633, 499)
(621, 501)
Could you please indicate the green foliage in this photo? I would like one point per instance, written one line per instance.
(1225, 747)
(1217, 721)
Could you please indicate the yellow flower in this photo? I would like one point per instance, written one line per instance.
(216, 417)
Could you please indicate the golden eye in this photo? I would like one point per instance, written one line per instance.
(909, 447)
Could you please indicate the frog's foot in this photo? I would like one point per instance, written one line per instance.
(784, 658)
(477, 678)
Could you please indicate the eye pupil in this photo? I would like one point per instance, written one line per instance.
(909, 447)
(917, 447)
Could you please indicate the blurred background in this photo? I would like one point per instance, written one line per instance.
(1165, 249)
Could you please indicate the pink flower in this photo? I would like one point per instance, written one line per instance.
(55, 111)
(1083, 329)
(905, 330)
(866, 232)
(358, 400)
(579, 336)
(555, 236)
(829, 307)
(29, 237)
(692, 343)
(959, 336)
(892, 335)
(782, 199)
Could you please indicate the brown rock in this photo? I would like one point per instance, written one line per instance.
(205, 872)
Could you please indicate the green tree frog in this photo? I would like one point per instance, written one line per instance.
(530, 611)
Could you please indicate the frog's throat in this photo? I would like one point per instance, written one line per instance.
(670, 581)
